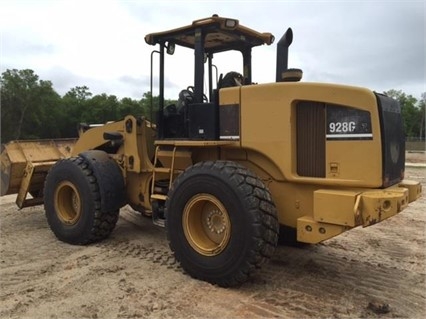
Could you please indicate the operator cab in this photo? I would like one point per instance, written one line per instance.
(196, 115)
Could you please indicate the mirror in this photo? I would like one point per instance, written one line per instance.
(170, 48)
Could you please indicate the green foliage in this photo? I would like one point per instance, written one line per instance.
(31, 109)
(413, 112)
(28, 106)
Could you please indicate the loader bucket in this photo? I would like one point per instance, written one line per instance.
(24, 166)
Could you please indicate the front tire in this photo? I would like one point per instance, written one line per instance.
(72, 203)
(221, 222)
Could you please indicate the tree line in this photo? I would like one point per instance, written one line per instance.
(32, 109)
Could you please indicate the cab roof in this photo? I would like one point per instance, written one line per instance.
(221, 34)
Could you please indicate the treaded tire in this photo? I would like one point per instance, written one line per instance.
(72, 203)
(253, 225)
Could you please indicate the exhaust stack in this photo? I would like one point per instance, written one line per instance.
(282, 54)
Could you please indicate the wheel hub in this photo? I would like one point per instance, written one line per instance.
(216, 222)
(206, 224)
(67, 203)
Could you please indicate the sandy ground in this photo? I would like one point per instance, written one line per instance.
(374, 272)
(415, 157)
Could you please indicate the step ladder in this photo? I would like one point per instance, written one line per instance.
(158, 200)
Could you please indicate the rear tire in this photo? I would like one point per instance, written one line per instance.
(72, 203)
(221, 222)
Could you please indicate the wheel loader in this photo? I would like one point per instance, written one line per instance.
(231, 167)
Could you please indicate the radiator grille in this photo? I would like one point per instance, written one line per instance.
(311, 131)
(393, 141)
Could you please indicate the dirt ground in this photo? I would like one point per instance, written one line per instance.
(373, 272)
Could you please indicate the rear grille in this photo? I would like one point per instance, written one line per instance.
(393, 140)
(311, 135)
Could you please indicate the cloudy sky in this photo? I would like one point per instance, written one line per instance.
(100, 44)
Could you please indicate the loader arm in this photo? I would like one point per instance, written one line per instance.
(92, 138)
(25, 164)
(132, 139)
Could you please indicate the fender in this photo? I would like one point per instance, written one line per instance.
(110, 179)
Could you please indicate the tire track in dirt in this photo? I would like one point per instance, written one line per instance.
(311, 286)
(69, 270)
(60, 271)
(160, 256)
(325, 277)
(33, 232)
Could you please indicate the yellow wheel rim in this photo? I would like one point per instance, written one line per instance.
(67, 203)
(206, 224)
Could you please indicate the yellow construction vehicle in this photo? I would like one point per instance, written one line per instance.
(229, 168)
